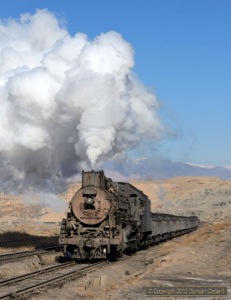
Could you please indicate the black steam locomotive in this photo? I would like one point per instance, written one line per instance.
(107, 218)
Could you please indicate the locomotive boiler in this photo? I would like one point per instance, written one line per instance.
(107, 218)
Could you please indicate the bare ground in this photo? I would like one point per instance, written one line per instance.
(201, 258)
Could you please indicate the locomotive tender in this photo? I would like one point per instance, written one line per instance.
(107, 218)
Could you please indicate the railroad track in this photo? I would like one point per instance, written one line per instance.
(28, 283)
(22, 254)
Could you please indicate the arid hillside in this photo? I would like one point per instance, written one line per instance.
(207, 197)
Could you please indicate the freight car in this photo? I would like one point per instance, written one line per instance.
(107, 218)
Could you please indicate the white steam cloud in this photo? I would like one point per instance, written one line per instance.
(66, 102)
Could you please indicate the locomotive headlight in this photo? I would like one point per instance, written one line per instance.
(89, 200)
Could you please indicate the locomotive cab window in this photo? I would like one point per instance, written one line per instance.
(133, 198)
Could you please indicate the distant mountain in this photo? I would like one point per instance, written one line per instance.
(162, 169)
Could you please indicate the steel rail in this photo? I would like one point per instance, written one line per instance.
(78, 272)
(35, 273)
(22, 254)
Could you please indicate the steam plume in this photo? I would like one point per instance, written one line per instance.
(66, 102)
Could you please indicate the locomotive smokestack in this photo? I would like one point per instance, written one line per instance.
(66, 99)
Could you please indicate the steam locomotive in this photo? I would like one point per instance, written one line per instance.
(107, 218)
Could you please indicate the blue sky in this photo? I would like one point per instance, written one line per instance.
(182, 52)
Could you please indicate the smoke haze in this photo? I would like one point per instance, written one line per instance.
(66, 102)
